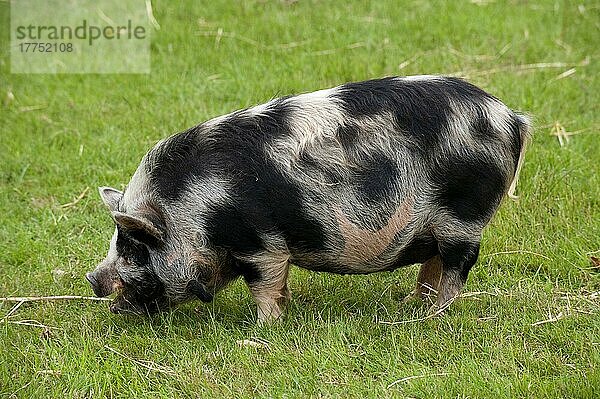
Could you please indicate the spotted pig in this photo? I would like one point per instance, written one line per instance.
(361, 178)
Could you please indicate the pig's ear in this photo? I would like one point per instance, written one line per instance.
(198, 289)
(111, 197)
(140, 228)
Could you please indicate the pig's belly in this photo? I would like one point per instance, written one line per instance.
(418, 250)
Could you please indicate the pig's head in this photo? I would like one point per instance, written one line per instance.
(139, 254)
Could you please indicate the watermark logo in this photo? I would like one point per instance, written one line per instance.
(83, 36)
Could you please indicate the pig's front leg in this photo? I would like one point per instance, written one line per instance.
(269, 286)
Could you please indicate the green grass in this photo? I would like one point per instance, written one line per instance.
(92, 130)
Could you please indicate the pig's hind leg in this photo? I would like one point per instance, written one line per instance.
(457, 258)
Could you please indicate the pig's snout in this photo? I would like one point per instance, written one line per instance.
(101, 285)
(94, 283)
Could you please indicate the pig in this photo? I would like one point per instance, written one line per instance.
(361, 178)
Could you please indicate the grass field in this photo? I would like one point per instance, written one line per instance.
(64, 135)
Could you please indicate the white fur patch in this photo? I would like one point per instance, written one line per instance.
(315, 116)
(112, 255)
(260, 109)
(314, 119)
(206, 194)
(459, 127)
(420, 78)
(499, 116)
(138, 190)
(216, 121)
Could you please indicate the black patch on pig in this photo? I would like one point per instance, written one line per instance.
(247, 270)
(277, 204)
(483, 130)
(171, 164)
(375, 180)
(481, 127)
(141, 285)
(228, 228)
(202, 151)
(459, 255)
(371, 97)
(348, 136)
(469, 187)
(419, 250)
(264, 201)
(131, 248)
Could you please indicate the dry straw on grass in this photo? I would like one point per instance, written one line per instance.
(414, 377)
(520, 68)
(147, 364)
(76, 200)
(50, 298)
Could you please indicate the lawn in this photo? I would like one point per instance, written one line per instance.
(530, 323)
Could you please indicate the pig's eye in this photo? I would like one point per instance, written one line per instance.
(127, 261)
